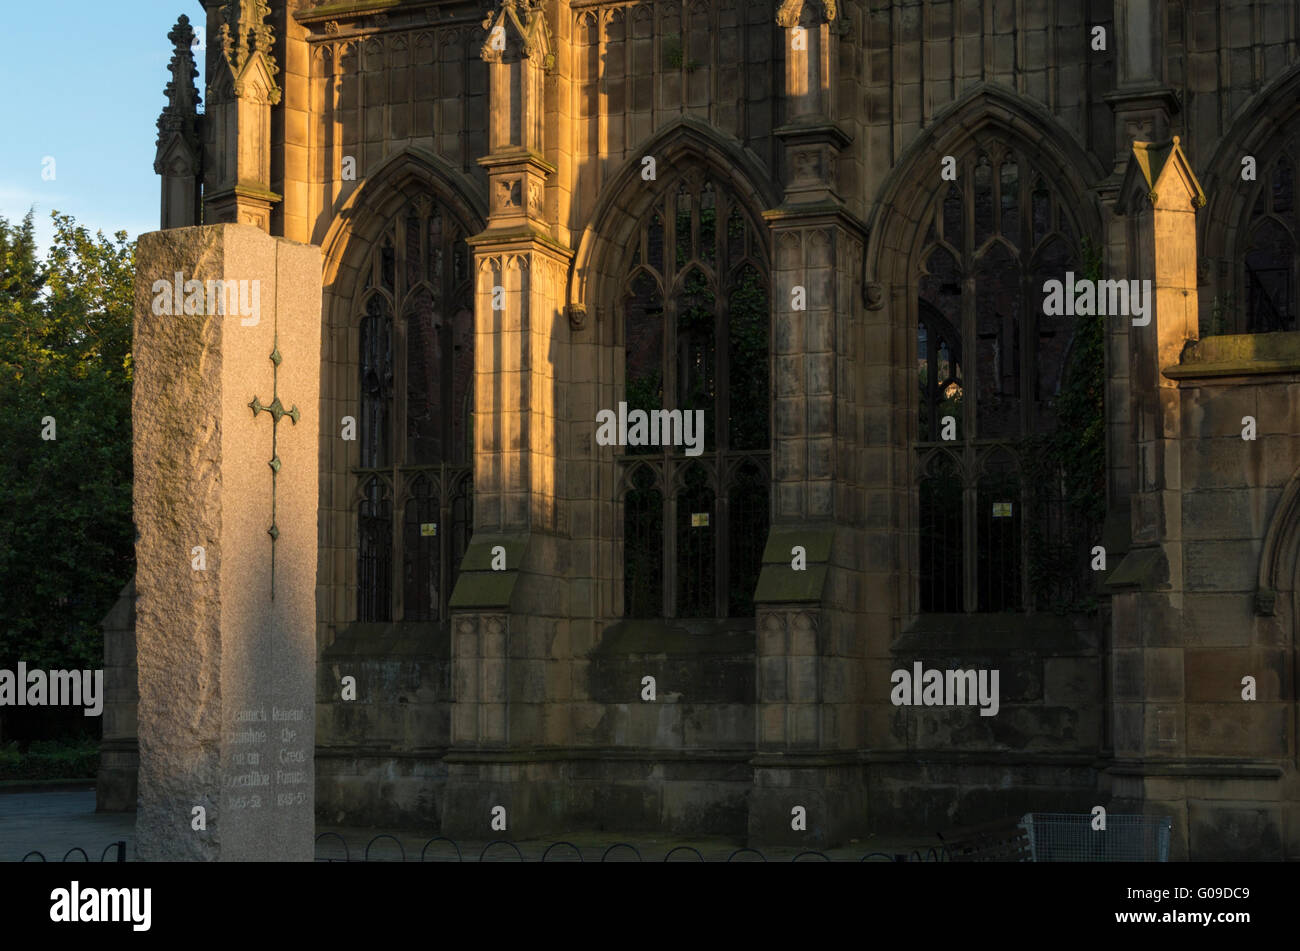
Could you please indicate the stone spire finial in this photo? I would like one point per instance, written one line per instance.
(178, 157)
(181, 112)
(518, 52)
(241, 91)
(1156, 169)
(244, 32)
(518, 25)
(181, 115)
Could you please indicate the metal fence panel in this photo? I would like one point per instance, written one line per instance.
(1070, 837)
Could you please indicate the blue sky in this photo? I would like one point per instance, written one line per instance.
(82, 81)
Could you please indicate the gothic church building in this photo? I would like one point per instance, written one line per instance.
(827, 226)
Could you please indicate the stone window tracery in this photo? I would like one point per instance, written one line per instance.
(1270, 263)
(990, 366)
(695, 325)
(416, 363)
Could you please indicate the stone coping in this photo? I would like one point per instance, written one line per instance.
(777, 582)
(1238, 355)
(345, 8)
(1146, 569)
(382, 639)
(641, 636)
(968, 634)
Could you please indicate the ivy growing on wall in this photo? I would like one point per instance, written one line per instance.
(674, 55)
(1066, 469)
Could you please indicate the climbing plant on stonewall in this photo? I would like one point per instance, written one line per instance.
(1068, 466)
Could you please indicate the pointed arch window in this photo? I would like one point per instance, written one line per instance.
(989, 369)
(416, 355)
(1270, 266)
(695, 335)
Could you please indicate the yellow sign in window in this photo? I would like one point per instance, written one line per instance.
(428, 528)
(699, 520)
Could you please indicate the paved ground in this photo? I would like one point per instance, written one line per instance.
(56, 821)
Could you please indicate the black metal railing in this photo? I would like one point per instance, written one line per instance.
(622, 851)
(119, 845)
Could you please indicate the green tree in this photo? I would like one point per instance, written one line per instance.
(66, 533)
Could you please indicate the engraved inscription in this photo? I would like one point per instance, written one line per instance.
(268, 758)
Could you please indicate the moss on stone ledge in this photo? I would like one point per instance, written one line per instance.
(1238, 355)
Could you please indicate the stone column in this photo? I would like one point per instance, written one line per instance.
(510, 606)
(809, 715)
(225, 437)
(1143, 106)
(1143, 103)
(1159, 197)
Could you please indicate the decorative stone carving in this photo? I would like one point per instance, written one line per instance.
(179, 155)
(807, 166)
(245, 37)
(241, 91)
(873, 295)
(518, 28)
(1140, 128)
(518, 51)
(180, 115)
(507, 193)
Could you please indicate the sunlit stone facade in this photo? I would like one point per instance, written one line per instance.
(533, 210)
